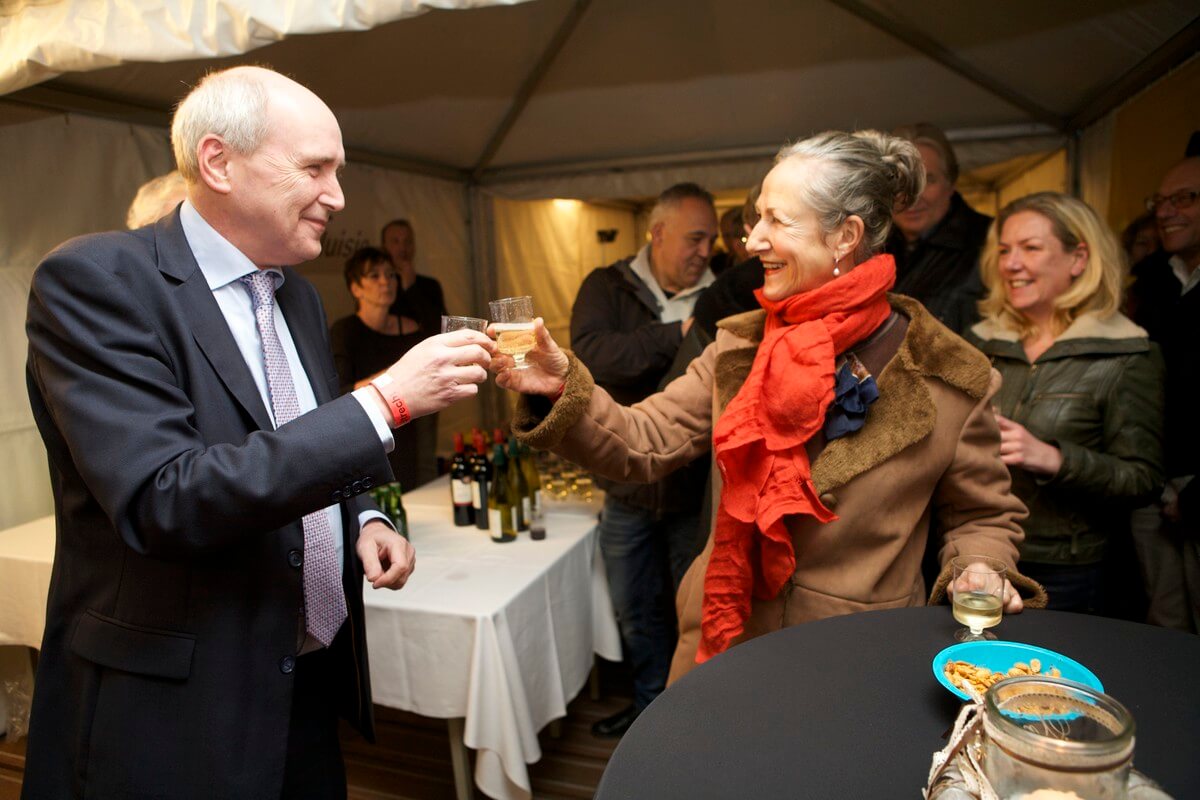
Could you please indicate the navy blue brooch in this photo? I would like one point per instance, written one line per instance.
(854, 390)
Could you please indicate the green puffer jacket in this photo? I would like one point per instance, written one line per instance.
(1097, 395)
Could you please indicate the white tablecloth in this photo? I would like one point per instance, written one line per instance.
(501, 635)
(26, 558)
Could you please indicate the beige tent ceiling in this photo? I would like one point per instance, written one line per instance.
(559, 85)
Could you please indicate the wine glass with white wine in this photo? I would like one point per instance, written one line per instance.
(977, 591)
(512, 320)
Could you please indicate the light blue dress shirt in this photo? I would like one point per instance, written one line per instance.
(222, 264)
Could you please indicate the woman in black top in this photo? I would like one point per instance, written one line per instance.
(368, 342)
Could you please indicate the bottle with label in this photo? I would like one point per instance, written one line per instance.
(533, 480)
(501, 506)
(481, 476)
(518, 487)
(460, 485)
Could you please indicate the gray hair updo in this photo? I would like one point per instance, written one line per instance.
(867, 174)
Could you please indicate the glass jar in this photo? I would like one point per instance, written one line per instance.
(1054, 739)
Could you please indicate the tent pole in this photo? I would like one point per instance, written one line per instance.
(529, 85)
(1177, 50)
(934, 50)
(492, 400)
(1074, 165)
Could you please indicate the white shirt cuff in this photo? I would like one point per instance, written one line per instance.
(367, 516)
(365, 398)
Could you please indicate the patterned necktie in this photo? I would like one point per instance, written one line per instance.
(324, 602)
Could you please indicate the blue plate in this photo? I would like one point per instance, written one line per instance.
(1000, 656)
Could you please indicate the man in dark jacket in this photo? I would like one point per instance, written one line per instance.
(936, 241)
(627, 325)
(1165, 301)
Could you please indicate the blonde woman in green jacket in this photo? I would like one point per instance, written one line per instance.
(1081, 403)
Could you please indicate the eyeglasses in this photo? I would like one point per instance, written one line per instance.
(1180, 200)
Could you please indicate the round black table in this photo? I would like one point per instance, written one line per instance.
(849, 708)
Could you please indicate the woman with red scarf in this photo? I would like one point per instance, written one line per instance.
(843, 420)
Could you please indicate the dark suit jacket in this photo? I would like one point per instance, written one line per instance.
(166, 666)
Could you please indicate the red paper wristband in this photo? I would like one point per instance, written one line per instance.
(386, 386)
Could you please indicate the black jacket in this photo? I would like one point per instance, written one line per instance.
(1173, 321)
(616, 333)
(942, 272)
(731, 293)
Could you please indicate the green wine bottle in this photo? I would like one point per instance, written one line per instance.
(503, 513)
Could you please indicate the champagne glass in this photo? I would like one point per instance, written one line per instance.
(512, 320)
(978, 595)
(463, 323)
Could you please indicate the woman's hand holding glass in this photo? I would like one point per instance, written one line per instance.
(980, 595)
(545, 368)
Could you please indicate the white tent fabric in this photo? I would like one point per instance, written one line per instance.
(635, 80)
(47, 202)
(546, 248)
(45, 39)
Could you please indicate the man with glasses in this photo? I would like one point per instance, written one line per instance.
(1166, 301)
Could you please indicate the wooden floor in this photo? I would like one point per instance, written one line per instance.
(411, 759)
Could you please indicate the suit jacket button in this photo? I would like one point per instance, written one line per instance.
(295, 558)
(287, 664)
(367, 483)
(829, 500)
(336, 496)
(357, 487)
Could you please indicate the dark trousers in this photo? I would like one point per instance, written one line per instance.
(646, 557)
(314, 768)
(1069, 587)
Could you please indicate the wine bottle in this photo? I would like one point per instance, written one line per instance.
(460, 486)
(503, 513)
(389, 499)
(533, 480)
(398, 514)
(519, 487)
(481, 477)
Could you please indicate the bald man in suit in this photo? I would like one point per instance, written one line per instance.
(205, 622)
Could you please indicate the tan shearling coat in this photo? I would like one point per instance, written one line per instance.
(929, 447)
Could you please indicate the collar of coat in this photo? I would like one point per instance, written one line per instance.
(1089, 334)
(903, 415)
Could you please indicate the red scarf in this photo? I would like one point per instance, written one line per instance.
(759, 441)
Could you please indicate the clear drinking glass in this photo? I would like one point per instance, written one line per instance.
(977, 587)
(463, 323)
(512, 320)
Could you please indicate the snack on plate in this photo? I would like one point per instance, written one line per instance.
(964, 673)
